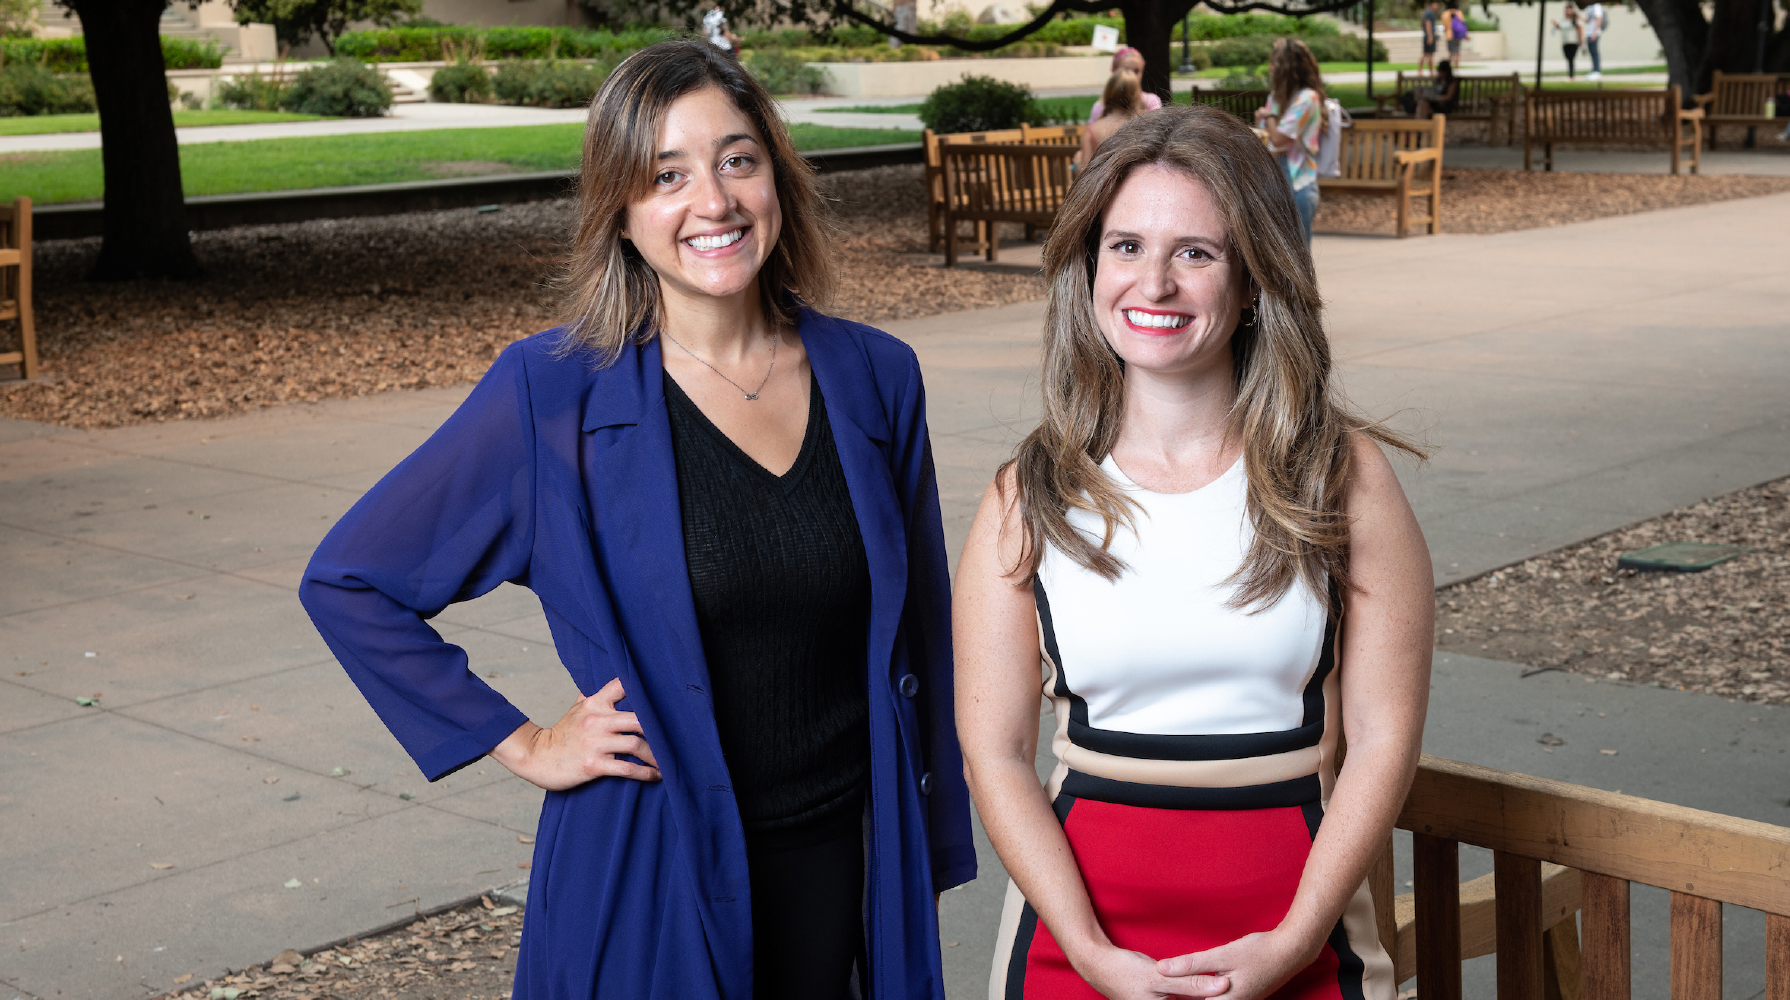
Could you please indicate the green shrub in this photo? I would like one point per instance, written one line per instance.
(548, 84)
(461, 83)
(69, 55)
(1252, 50)
(342, 87)
(413, 44)
(250, 93)
(978, 104)
(783, 72)
(26, 89)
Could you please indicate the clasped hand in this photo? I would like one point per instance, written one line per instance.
(585, 744)
(1254, 966)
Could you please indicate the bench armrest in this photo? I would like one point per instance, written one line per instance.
(1689, 114)
(1703, 100)
(1416, 155)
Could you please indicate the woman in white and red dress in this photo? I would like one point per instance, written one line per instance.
(1213, 562)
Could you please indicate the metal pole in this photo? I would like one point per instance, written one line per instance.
(1541, 37)
(1370, 49)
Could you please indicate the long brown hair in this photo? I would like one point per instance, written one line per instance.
(1294, 430)
(1123, 94)
(1292, 68)
(611, 292)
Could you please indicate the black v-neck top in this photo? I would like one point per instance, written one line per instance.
(782, 589)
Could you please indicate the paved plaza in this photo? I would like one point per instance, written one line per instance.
(1571, 380)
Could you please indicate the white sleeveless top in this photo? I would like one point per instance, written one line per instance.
(1159, 651)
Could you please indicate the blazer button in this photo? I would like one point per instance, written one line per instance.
(910, 685)
(926, 783)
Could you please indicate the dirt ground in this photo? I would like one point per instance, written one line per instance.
(347, 307)
(1724, 631)
(465, 954)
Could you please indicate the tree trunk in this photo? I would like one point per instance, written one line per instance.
(1148, 26)
(1733, 41)
(145, 229)
(1683, 35)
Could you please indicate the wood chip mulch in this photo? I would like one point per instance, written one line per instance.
(1503, 201)
(465, 954)
(347, 307)
(1724, 631)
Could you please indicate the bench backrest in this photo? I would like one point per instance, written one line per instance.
(15, 248)
(1743, 93)
(1242, 103)
(1477, 94)
(1037, 135)
(1607, 115)
(1003, 179)
(1368, 145)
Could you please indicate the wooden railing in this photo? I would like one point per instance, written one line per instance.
(1704, 859)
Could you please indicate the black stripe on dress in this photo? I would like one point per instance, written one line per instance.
(1314, 689)
(1204, 746)
(1274, 795)
(1078, 709)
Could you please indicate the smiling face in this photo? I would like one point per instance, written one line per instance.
(1168, 285)
(710, 218)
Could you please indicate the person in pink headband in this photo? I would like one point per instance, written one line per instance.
(1127, 60)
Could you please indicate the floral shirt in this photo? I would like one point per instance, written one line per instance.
(1300, 122)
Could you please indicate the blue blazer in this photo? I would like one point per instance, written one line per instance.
(559, 476)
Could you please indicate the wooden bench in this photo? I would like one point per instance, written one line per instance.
(1033, 135)
(1609, 840)
(15, 284)
(1490, 99)
(1740, 99)
(1242, 103)
(989, 183)
(1611, 116)
(1400, 158)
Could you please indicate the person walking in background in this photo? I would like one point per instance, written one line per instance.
(1454, 30)
(714, 28)
(1596, 20)
(726, 503)
(1209, 560)
(1294, 121)
(1123, 99)
(1427, 61)
(1571, 28)
(1127, 60)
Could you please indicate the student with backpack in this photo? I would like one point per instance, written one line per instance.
(1455, 27)
(1295, 118)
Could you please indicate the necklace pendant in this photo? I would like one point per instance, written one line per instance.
(751, 395)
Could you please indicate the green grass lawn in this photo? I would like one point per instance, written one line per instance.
(41, 124)
(340, 160)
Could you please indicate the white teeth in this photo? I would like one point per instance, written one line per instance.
(1154, 321)
(716, 242)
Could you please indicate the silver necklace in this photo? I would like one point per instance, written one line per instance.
(749, 395)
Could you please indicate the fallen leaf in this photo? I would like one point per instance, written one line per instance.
(526, 864)
(1549, 739)
(485, 901)
(85, 701)
(292, 883)
(339, 772)
(161, 865)
(271, 781)
(289, 957)
(177, 980)
(1608, 753)
(406, 796)
(503, 911)
(523, 838)
(282, 969)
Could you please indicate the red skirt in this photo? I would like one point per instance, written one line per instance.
(1170, 881)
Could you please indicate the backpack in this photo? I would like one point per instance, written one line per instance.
(1329, 162)
(1457, 29)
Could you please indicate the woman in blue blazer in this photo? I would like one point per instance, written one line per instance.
(726, 504)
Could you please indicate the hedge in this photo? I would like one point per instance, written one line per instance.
(424, 44)
(69, 55)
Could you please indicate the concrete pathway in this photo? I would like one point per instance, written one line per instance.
(1578, 379)
(1773, 162)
